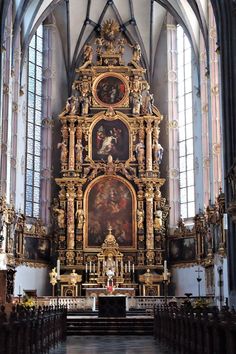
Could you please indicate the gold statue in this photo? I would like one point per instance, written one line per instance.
(88, 53)
(64, 151)
(80, 218)
(60, 216)
(73, 278)
(140, 218)
(136, 52)
(158, 220)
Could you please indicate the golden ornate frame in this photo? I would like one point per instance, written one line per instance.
(174, 238)
(124, 102)
(117, 116)
(134, 208)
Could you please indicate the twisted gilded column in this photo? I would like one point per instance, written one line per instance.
(70, 217)
(72, 146)
(149, 195)
(149, 130)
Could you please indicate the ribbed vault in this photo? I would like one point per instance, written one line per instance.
(78, 21)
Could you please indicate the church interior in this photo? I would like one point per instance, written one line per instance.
(117, 154)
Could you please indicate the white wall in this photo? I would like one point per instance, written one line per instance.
(32, 278)
(185, 281)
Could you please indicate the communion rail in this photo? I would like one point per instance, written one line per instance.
(146, 303)
(200, 330)
(31, 331)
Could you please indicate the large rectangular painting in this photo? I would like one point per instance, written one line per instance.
(182, 249)
(110, 138)
(37, 249)
(110, 202)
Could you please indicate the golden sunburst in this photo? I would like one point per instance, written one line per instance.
(109, 33)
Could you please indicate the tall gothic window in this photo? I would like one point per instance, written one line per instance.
(34, 117)
(185, 119)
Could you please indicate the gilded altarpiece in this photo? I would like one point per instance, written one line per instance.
(110, 159)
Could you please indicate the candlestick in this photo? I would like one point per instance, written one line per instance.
(165, 266)
(129, 266)
(86, 267)
(58, 269)
(133, 267)
(225, 221)
(94, 267)
(90, 267)
(125, 267)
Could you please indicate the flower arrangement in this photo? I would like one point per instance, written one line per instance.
(200, 304)
(109, 289)
(29, 302)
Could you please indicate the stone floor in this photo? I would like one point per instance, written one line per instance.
(110, 345)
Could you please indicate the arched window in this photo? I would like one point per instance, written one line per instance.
(34, 118)
(185, 124)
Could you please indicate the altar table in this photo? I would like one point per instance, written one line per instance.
(112, 306)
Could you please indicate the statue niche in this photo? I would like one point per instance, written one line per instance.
(110, 138)
(110, 201)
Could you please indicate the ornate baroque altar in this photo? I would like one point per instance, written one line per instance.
(110, 158)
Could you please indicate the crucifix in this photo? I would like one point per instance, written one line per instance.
(199, 280)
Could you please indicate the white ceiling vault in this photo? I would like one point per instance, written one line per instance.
(78, 21)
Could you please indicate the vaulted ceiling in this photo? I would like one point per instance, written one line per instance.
(78, 21)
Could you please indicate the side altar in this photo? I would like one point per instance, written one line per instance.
(110, 178)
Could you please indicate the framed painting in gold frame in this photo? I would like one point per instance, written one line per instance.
(182, 250)
(111, 90)
(110, 200)
(36, 248)
(69, 290)
(110, 137)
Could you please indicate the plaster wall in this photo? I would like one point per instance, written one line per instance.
(159, 88)
(185, 281)
(32, 278)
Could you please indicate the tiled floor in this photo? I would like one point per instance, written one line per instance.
(110, 345)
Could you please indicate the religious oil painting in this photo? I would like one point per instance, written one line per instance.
(110, 90)
(182, 250)
(36, 249)
(110, 138)
(110, 203)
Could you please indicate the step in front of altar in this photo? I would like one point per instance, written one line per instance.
(87, 325)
